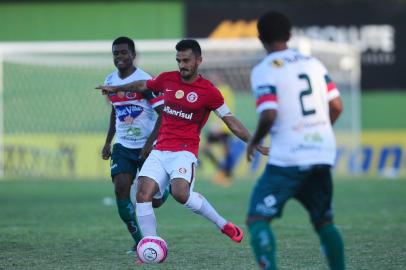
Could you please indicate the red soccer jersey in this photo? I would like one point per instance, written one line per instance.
(186, 109)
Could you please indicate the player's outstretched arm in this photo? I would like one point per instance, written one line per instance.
(236, 127)
(136, 86)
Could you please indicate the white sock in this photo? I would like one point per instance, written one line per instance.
(199, 205)
(146, 218)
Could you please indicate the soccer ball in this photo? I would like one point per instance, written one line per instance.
(152, 249)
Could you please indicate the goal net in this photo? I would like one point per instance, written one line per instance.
(53, 123)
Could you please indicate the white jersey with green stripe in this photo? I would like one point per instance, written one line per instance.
(299, 88)
(135, 115)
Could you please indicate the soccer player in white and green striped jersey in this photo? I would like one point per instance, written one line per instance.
(298, 104)
(134, 124)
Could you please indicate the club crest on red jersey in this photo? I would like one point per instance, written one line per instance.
(191, 97)
(130, 95)
(179, 94)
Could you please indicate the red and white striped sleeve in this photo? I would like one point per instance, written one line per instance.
(332, 91)
(264, 90)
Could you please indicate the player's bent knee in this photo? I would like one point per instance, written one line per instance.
(318, 225)
(181, 198)
(252, 219)
(180, 190)
(144, 196)
(181, 195)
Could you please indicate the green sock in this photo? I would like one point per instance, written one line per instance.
(127, 214)
(263, 244)
(332, 246)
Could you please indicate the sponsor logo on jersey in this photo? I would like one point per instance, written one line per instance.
(182, 170)
(277, 63)
(306, 147)
(191, 97)
(177, 113)
(179, 94)
(127, 113)
(134, 131)
(315, 137)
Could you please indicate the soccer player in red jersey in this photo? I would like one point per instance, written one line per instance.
(188, 100)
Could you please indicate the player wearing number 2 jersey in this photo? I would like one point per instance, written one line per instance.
(297, 103)
(188, 100)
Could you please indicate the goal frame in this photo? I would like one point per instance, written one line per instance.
(303, 44)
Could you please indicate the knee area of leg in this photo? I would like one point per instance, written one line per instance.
(121, 189)
(180, 195)
(181, 198)
(143, 196)
(121, 183)
(256, 224)
(257, 219)
(321, 225)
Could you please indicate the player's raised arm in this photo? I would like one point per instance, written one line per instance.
(136, 86)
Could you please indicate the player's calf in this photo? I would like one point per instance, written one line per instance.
(262, 242)
(332, 245)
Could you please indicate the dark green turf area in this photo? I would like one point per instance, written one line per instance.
(383, 110)
(64, 225)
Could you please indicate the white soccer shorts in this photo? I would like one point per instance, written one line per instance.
(163, 166)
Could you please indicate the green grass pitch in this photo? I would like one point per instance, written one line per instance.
(65, 225)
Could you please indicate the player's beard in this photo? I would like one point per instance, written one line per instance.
(189, 73)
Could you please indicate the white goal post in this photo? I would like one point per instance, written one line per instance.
(46, 95)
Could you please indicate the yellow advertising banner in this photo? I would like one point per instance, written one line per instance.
(54, 156)
(78, 157)
(381, 153)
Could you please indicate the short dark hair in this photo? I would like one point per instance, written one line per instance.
(274, 26)
(125, 40)
(186, 44)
